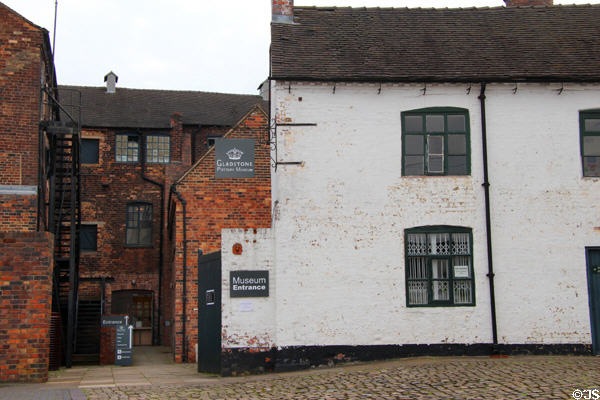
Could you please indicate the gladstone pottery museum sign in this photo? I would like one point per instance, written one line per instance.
(234, 158)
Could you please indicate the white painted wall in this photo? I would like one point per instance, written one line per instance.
(339, 219)
(248, 322)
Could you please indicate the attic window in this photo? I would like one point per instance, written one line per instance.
(128, 148)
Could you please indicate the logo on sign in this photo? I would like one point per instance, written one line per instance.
(235, 154)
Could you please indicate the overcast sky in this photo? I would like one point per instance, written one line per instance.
(209, 45)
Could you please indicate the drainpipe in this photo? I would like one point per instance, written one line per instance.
(488, 227)
(184, 293)
(162, 223)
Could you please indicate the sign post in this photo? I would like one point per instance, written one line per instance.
(124, 338)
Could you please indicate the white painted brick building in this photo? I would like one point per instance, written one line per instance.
(379, 239)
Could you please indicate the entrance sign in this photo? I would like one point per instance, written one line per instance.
(113, 320)
(234, 158)
(249, 283)
(124, 345)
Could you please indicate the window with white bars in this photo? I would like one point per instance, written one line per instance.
(439, 268)
(158, 148)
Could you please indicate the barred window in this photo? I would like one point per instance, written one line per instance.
(439, 270)
(158, 148)
(128, 147)
(139, 225)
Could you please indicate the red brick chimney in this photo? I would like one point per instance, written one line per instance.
(283, 11)
(519, 3)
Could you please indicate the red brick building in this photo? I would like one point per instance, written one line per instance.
(29, 172)
(135, 144)
(202, 204)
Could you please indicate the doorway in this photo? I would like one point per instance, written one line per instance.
(138, 305)
(209, 313)
(592, 256)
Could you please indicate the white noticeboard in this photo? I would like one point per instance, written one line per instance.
(461, 271)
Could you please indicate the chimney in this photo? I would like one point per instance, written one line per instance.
(521, 3)
(111, 80)
(283, 11)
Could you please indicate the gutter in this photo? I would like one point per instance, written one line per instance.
(162, 223)
(488, 227)
(431, 79)
(184, 293)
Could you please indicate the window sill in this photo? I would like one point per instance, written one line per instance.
(88, 252)
(134, 246)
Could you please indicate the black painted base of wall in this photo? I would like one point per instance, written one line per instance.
(242, 361)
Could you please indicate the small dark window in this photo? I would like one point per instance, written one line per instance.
(157, 148)
(128, 147)
(139, 225)
(590, 142)
(89, 151)
(210, 141)
(88, 238)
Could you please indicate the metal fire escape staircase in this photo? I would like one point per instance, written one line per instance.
(64, 214)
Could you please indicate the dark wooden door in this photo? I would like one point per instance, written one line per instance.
(209, 313)
(593, 269)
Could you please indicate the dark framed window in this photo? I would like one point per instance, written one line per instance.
(90, 149)
(88, 237)
(589, 127)
(439, 266)
(127, 148)
(435, 141)
(139, 225)
(210, 141)
(158, 148)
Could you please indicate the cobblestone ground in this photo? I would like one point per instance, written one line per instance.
(427, 378)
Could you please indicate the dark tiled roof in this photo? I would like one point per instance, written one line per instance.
(378, 44)
(143, 108)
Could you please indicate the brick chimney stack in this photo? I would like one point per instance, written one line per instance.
(283, 11)
(519, 3)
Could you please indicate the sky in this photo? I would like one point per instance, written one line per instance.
(207, 45)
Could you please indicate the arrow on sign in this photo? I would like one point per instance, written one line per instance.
(130, 335)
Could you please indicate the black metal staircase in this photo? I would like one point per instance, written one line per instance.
(64, 216)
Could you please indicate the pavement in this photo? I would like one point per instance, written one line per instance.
(154, 376)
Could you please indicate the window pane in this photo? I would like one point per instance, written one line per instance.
(414, 165)
(435, 123)
(457, 144)
(462, 292)
(88, 237)
(456, 123)
(413, 123)
(89, 151)
(439, 269)
(435, 145)
(145, 236)
(457, 165)
(414, 144)
(132, 236)
(440, 290)
(417, 268)
(592, 125)
(439, 243)
(417, 243)
(591, 145)
(460, 243)
(591, 166)
(417, 292)
(461, 266)
(435, 164)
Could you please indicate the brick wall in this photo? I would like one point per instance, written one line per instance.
(18, 213)
(212, 205)
(25, 304)
(20, 73)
